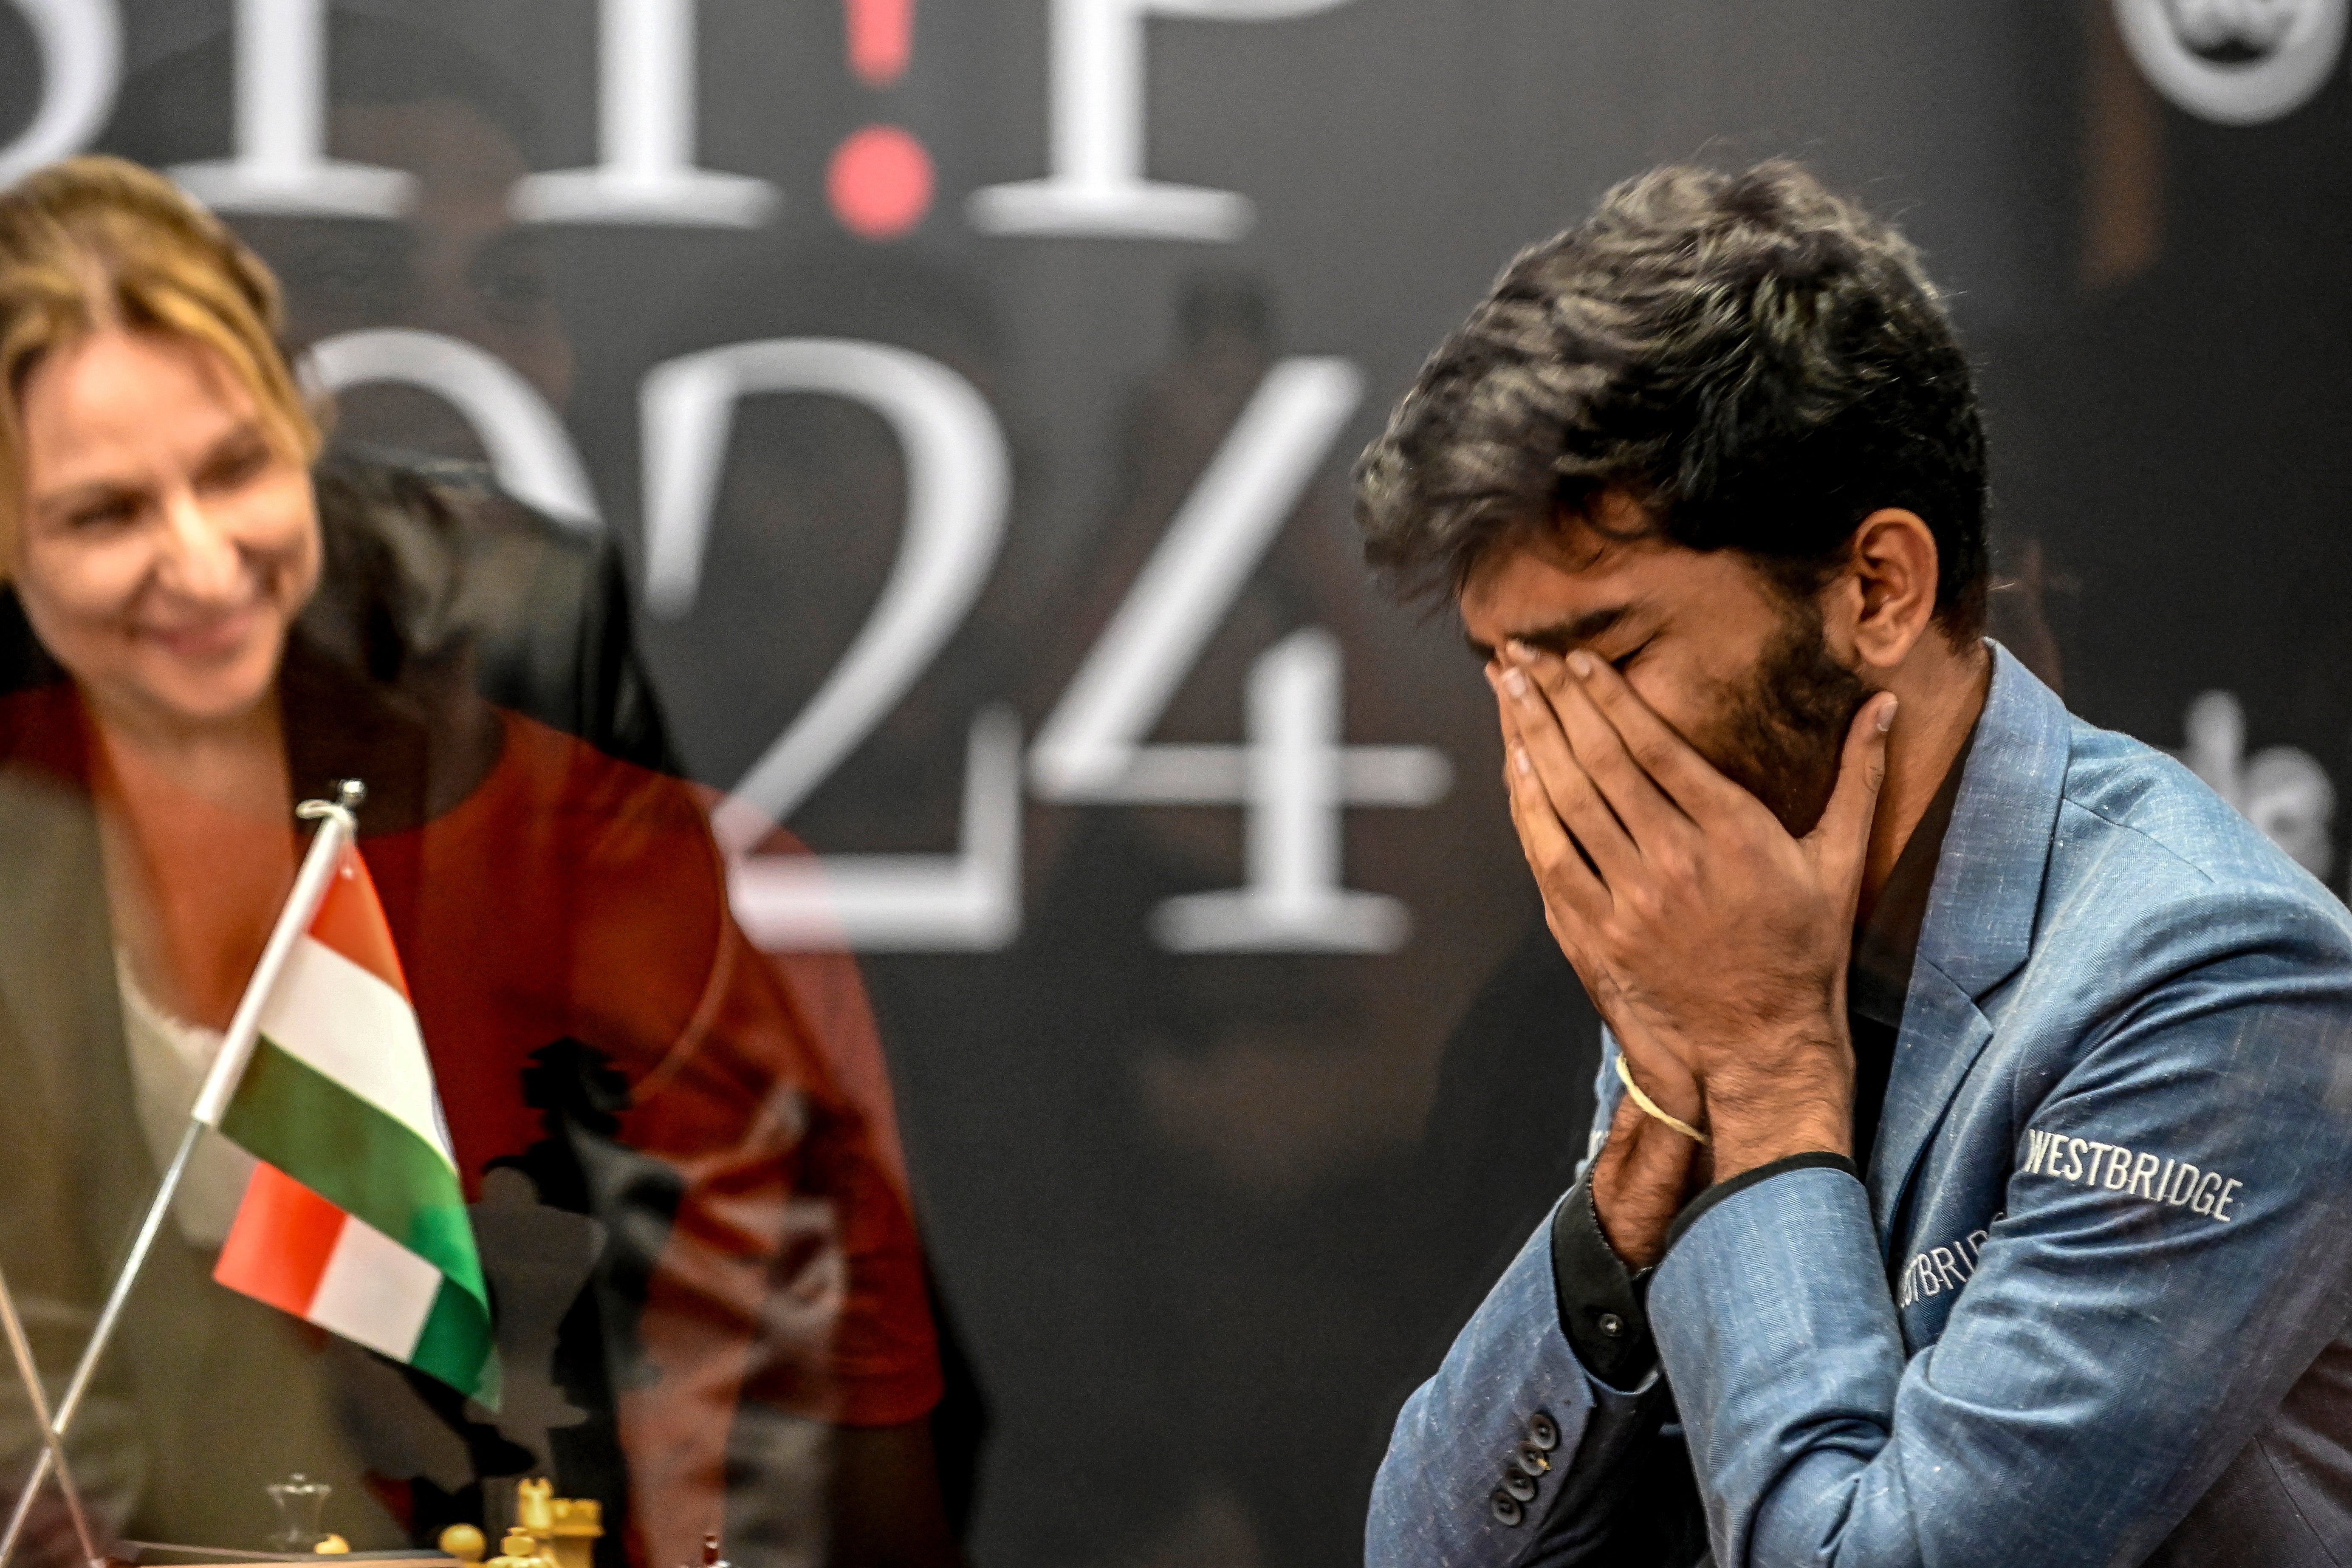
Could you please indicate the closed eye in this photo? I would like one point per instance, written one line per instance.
(234, 462)
(112, 509)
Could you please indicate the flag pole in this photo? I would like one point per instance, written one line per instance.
(21, 1348)
(337, 827)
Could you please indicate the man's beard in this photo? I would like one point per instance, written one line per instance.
(1784, 731)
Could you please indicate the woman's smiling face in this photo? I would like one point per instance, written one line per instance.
(165, 541)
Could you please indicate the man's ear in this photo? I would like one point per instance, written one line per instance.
(1892, 576)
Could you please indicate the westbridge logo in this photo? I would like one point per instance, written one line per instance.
(2235, 62)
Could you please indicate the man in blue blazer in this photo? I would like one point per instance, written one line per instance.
(1973, 1176)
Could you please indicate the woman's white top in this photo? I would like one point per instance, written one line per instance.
(169, 1058)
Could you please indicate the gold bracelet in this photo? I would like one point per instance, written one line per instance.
(1625, 1076)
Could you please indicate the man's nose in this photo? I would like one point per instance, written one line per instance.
(200, 557)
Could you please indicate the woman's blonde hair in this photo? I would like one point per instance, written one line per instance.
(93, 243)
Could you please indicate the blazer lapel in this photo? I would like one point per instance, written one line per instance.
(1943, 1033)
(1981, 915)
(60, 1016)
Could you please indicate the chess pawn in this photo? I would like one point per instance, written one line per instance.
(520, 1550)
(464, 1542)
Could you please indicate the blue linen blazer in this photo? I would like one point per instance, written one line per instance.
(2091, 1305)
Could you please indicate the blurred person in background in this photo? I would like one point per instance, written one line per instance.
(1967, 1181)
(455, 263)
(403, 491)
(709, 1294)
(808, 523)
(400, 483)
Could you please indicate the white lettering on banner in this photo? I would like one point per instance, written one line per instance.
(645, 135)
(645, 171)
(958, 477)
(281, 127)
(1097, 186)
(81, 44)
(528, 448)
(2134, 1173)
(2235, 62)
(967, 901)
(2281, 790)
(1295, 776)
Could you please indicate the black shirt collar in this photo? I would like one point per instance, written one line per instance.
(1879, 976)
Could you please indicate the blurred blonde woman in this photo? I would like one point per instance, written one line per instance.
(709, 1298)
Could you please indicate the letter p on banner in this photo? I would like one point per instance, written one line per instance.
(1097, 186)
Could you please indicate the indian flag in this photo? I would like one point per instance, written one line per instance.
(355, 1219)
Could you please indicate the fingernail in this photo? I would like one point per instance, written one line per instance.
(1887, 713)
(1520, 652)
(1581, 663)
(1519, 759)
(1514, 683)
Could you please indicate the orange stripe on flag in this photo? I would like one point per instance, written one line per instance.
(351, 921)
(280, 1243)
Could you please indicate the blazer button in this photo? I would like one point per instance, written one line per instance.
(1507, 1510)
(1543, 1431)
(1531, 1459)
(1612, 1324)
(1518, 1488)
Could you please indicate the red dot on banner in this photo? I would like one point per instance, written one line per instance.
(879, 183)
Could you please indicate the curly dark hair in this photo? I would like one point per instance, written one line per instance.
(1759, 362)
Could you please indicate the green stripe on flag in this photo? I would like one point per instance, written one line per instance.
(358, 1157)
(457, 1346)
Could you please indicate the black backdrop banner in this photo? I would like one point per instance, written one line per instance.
(971, 389)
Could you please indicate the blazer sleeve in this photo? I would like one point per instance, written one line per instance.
(1511, 1411)
(2174, 1253)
